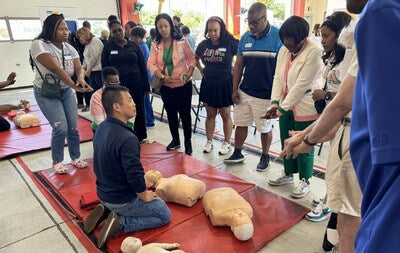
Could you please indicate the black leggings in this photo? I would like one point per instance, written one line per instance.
(4, 125)
(178, 100)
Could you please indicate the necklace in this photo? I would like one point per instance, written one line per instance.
(296, 53)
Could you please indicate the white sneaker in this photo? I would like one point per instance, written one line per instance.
(208, 147)
(301, 190)
(281, 180)
(319, 213)
(225, 148)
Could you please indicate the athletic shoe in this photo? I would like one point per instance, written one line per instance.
(188, 147)
(80, 106)
(264, 162)
(315, 202)
(208, 147)
(236, 157)
(320, 213)
(110, 229)
(86, 108)
(96, 216)
(150, 126)
(283, 179)
(225, 148)
(173, 145)
(301, 190)
(144, 141)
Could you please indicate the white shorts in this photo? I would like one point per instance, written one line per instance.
(251, 109)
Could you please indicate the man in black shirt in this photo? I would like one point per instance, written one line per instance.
(119, 173)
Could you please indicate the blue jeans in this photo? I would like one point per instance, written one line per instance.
(149, 111)
(62, 115)
(138, 215)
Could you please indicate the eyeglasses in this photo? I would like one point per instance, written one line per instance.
(255, 22)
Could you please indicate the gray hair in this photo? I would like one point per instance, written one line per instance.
(258, 7)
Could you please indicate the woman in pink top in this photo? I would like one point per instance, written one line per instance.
(172, 60)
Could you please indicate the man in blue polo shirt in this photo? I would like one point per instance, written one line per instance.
(119, 173)
(375, 136)
(257, 53)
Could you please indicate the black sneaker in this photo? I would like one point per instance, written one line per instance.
(110, 229)
(188, 147)
(173, 145)
(332, 224)
(264, 162)
(96, 216)
(236, 157)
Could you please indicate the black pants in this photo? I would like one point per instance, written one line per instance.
(4, 125)
(80, 95)
(138, 97)
(178, 100)
(95, 80)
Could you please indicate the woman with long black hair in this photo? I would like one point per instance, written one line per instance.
(172, 60)
(56, 61)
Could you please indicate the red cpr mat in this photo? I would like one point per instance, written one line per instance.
(190, 227)
(19, 140)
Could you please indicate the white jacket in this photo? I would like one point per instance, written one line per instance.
(304, 75)
(92, 55)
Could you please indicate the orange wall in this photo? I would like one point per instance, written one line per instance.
(298, 7)
(126, 11)
(232, 17)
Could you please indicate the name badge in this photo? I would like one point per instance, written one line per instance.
(247, 45)
(68, 57)
(114, 52)
(222, 49)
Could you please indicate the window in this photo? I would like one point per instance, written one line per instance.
(25, 29)
(97, 25)
(3, 31)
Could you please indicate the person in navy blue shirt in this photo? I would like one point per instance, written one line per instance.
(375, 137)
(120, 182)
(137, 36)
(256, 55)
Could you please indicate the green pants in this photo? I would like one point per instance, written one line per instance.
(304, 163)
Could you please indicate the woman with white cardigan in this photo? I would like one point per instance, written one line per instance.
(298, 72)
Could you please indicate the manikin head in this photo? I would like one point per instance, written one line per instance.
(131, 245)
(242, 226)
(152, 178)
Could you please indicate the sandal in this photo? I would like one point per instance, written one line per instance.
(79, 163)
(60, 168)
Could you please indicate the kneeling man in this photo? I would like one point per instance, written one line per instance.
(120, 181)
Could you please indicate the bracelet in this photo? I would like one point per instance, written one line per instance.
(305, 140)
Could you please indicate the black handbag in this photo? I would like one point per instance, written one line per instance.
(50, 87)
(320, 104)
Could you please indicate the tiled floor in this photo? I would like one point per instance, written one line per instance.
(28, 223)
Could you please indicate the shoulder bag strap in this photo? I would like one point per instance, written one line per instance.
(40, 73)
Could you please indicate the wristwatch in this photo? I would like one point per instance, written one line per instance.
(328, 96)
(305, 140)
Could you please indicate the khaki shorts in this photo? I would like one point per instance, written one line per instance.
(343, 190)
(251, 109)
